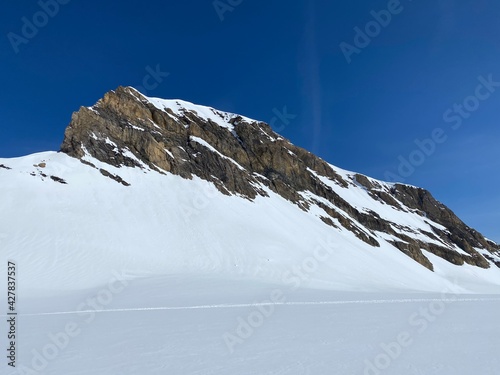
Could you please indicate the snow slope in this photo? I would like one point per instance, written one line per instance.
(204, 325)
(70, 236)
(168, 275)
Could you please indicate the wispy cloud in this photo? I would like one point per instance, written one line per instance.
(447, 22)
(311, 75)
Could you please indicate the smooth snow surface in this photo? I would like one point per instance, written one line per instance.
(185, 325)
(156, 278)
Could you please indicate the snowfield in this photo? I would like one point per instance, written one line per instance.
(208, 326)
(168, 276)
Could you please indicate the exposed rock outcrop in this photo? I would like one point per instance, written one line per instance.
(245, 157)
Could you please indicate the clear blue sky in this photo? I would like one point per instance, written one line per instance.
(255, 57)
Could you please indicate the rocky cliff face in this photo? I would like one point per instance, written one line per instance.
(245, 157)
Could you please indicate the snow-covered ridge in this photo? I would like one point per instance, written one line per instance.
(248, 203)
(180, 107)
(71, 235)
(151, 240)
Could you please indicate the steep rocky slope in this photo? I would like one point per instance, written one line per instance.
(243, 157)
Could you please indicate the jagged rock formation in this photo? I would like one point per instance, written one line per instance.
(245, 157)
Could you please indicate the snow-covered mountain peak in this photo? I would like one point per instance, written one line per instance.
(160, 163)
(180, 108)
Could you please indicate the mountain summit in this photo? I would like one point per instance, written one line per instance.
(244, 157)
(155, 187)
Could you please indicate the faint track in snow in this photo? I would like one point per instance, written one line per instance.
(291, 303)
